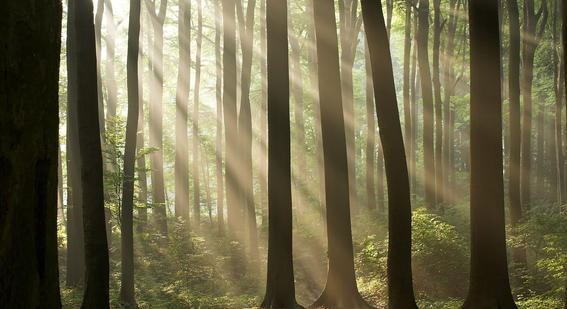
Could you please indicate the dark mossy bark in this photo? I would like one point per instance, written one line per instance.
(29, 82)
(489, 284)
(400, 287)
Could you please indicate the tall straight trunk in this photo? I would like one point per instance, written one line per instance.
(96, 294)
(98, 37)
(406, 85)
(530, 44)
(558, 75)
(218, 133)
(196, 142)
(551, 155)
(427, 93)
(437, 28)
(206, 178)
(75, 238)
(127, 295)
(540, 156)
(297, 92)
(413, 107)
(246, 30)
(449, 88)
(280, 287)
(340, 289)
(314, 91)
(564, 61)
(518, 253)
(109, 75)
(31, 44)
(141, 162)
(263, 118)
(229, 108)
(370, 141)
(489, 285)
(181, 102)
(400, 287)
(350, 23)
(380, 176)
(60, 202)
(155, 119)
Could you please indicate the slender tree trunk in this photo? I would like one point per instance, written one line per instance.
(406, 85)
(413, 106)
(218, 137)
(246, 30)
(518, 253)
(127, 294)
(437, 28)
(280, 287)
(489, 285)
(96, 294)
(425, 76)
(558, 80)
(229, 108)
(297, 92)
(196, 140)
(112, 89)
(400, 288)
(205, 171)
(263, 118)
(564, 61)
(181, 102)
(142, 177)
(340, 289)
(155, 119)
(75, 238)
(370, 141)
(380, 176)
(540, 156)
(98, 37)
(31, 43)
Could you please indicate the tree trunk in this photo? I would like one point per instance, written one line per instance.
(98, 37)
(370, 141)
(218, 137)
(229, 108)
(280, 287)
(263, 118)
(31, 42)
(558, 75)
(96, 294)
(489, 286)
(425, 76)
(246, 30)
(75, 237)
(340, 289)
(406, 85)
(127, 295)
(437, 28)
(142, 177)
(400, 288)
(181, 102)
(196, 139)
(540, 156)
(156, 121)
(414, 114)
(112, 91)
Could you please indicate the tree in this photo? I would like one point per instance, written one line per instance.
(558, 77)
(246, 30)
(196, 141)
(531, 41)
(28, 152)
(370, 192)
(427, 93)
(406, 79)
(155, 117)
(96, 294)
(489, 286)
(518, 254)
(142, 176)
(127, 295)
(280, 287)
(181, 98)
(263, 118)
(437, 28)
(218, 137)
(110, 58)
(340, 289)
(400, 288)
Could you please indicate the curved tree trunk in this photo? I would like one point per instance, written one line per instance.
(31, 39)
(400, 288)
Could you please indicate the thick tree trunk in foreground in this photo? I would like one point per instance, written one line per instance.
(96, 294)
(31, 41)
(340, 289)
(127, 295)
(280, 287)
(427, 93)
(400, 287)
(181, 100)
(489, 284)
